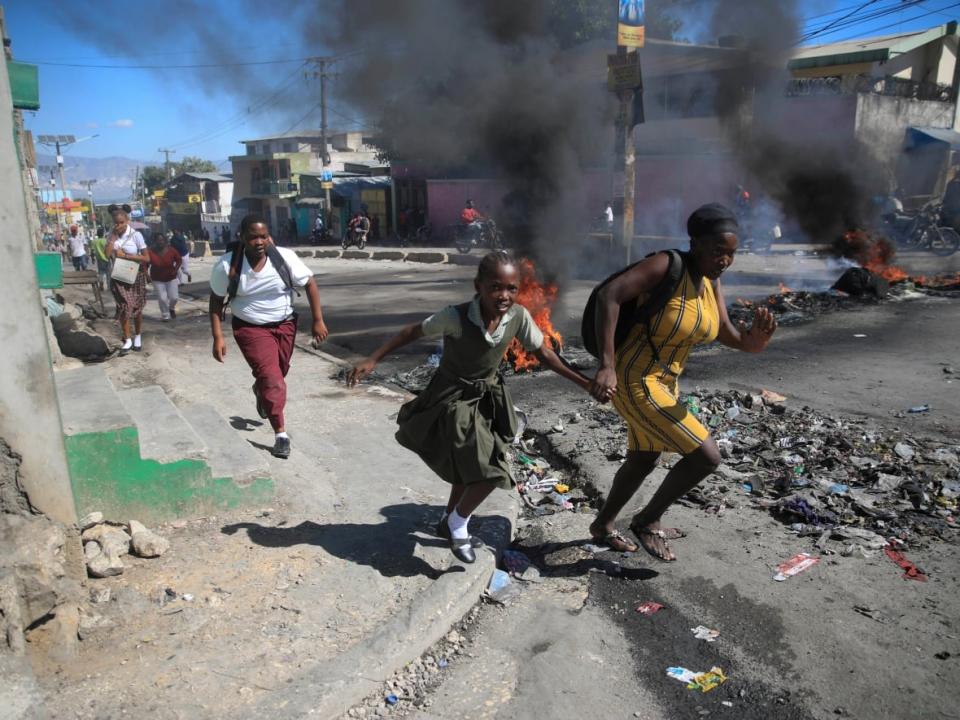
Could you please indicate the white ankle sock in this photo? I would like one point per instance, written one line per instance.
(136, 341)
(458, 525)
(282, 435)
(127, 344)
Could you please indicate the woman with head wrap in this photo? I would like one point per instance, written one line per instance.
(640, 375)
(127, 244)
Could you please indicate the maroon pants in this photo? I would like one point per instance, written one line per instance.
(267, 349)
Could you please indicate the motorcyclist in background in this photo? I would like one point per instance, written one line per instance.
(471, 220)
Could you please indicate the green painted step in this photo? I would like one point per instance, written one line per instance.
(109, 472)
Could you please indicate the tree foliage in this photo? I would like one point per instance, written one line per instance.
(153, 176)
(193, 164)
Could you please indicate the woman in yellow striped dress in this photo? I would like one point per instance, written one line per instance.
(640, 376)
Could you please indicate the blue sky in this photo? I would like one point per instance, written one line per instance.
(137, 111)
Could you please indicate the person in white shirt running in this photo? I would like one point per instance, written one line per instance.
(259, 288)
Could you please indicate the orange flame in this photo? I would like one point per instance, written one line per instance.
(873, 253)
(538, 299)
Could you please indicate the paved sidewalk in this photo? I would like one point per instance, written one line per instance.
(302, 607)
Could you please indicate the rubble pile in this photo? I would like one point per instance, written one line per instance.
(105, 544)
(829, 476)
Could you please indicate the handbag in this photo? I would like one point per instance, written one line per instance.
(125, 271)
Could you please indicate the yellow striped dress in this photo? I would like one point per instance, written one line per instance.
(647, 394)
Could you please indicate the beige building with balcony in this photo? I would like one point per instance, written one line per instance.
(267, 177)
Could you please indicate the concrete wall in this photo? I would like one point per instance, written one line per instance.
(882, 123)
(29, 414)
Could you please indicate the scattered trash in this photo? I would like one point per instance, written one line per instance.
(904, 451)
(649, 608)
(693, 404)
(919, 409)
(442, 662)
(392, 699)
(558, 427)
(794, 566)
(515, 562)
(703, 681)
(681, 674)
(561, 488)
(702, 632)
(910, 571)
(942, 655)
(591, 548)
(501, 588)
(859, 335)
(772, 398)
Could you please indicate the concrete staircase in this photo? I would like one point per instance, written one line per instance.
(133, 453)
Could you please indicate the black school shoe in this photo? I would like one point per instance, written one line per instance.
(443, 531)
(463, 553)
(281, 448)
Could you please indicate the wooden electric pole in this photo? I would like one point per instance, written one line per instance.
(322, 64)
(626, 80)
(166, 162)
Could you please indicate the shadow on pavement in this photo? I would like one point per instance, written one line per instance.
(388, 547)
(565, 559)
(240, 423)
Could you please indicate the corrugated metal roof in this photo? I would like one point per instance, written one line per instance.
(212, 177)
(866, 50)
(919, 136)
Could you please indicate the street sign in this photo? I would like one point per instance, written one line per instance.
(326, 185)
(623, 71)
(326, 176)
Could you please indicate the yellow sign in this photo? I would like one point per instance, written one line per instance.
(631, 23)
(326, 186)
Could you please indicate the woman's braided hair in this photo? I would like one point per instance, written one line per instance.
(490, 263)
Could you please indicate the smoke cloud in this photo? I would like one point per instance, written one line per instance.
(479, 90)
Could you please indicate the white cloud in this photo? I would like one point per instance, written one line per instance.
(122, 123)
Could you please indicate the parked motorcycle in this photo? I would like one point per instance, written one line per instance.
(321, 237)
(922, 230)
(482, 234)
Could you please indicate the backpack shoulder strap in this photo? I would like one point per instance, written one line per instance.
(236, 267)
(283, 270)
(665, 289)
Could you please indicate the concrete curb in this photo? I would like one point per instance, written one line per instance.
(327, 253)
(304, 253)
(426, 257)
(389, 255)
(356, 255)
(464, 259)
(330, 688)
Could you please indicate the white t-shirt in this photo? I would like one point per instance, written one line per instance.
(262, 297)
(131, 242)
(609, 213)
(78, 245)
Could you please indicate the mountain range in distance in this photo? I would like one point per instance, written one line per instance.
(114, 175)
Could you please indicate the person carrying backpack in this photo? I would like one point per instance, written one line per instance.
(648, 319)
(257, 280)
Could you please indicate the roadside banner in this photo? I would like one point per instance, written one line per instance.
(631, 22)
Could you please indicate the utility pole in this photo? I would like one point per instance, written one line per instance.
(88, 184)
(166, 162)
(626, 80)
(61, 142)
(321, 72)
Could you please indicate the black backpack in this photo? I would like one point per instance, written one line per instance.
(632, 313)
(236, 266)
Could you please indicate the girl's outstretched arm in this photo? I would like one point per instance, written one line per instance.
(551, 360)
(409, 334)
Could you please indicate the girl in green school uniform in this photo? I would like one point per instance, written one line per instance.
(463, 422)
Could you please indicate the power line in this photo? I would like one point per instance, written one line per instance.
(834, 27)
(241, 118)
(829, 25)
(918, 17)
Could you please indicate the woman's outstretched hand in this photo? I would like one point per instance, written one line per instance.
(360, 371)
(758, 336)
(604, 385)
